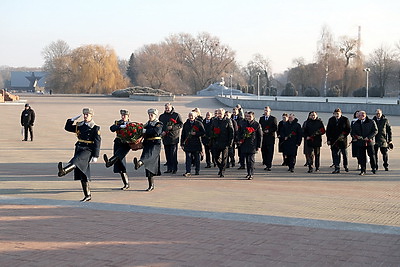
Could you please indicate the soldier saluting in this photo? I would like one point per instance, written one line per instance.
(87, 149)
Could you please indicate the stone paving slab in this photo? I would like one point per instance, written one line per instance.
(281, 219)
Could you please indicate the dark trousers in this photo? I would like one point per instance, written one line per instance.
(291, 161)
(192, 158)
(385, 158)
(207, 151)
(336, 152)
(231, 155)
(27, 128)
(250, 160)
(171, 154)
(267, 152)
(220, 155)
(314, 152)
(362, 157)
(241, 158)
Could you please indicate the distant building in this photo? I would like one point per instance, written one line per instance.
(29, 81)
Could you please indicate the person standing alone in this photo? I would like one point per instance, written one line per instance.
(27, 120)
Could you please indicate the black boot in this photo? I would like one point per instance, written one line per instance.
(111, 161)
(125, 180)
(151, 183)
(137, 163)
(86, 191)
(310, 169)
(64, 171)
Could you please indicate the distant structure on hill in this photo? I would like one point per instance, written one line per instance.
(29, 81)
(219, 88)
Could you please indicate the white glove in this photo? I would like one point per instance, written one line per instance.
(123, 126)
(93, 160)
(144, 130)
(76, 117)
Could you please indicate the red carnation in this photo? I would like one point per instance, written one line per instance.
(173, 120)
(195, 128)
(217, 130)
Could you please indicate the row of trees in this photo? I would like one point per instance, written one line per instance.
(183, 63)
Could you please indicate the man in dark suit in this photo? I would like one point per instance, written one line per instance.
(269, 126)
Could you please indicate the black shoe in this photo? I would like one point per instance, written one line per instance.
(362, 173)
(60, 170)
(283, 164)
(125, 187)
(233, 164)
(336, 171)
(208, 166)
(373, 171)
(168, 171)
(291, 170)
(87, 198)
(221, 175)
(173, 172)
(346, 169)
(227, 166)
(305, 164)
(197, 173)
(241, 168)
(310, 170)
(267, 169)
(386, 169)
(151, 188)
(333, 165)
(187, 174)
(250, 177)
(317, 169)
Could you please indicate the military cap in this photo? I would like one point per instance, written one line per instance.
(88, 111)
(152, 110)
(124, 112)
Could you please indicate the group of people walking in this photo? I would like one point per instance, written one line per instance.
(216, 137)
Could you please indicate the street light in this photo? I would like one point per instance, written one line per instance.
(258, 85)
(367, 70)
(231, 84)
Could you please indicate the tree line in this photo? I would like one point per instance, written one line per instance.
(185, 64)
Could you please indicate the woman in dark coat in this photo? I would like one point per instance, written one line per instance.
(150, 157)
(285, 118)
(313, 130)
(87, 150)
(192, 132)
(292, 136)
(121, 149)
(250, 134)
(206, 138)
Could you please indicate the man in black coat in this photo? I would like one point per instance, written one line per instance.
(192, 132)
(363, 132)
(27, 120)
(239, 120)
(250, 141)
(313, 129)
(87, 150)
(337, 130)
(292, 136)
(269, 126)
(230, 161)
(383, 138)
(222, 137)
(172, 123)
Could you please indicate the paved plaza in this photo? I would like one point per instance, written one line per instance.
(277, 219)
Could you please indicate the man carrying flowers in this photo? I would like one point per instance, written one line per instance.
(250, 141)
(192, 132)
(292, 136)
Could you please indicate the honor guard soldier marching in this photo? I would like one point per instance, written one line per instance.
(121, 149)
(87, 149)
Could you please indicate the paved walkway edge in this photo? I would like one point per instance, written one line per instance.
(265, 219)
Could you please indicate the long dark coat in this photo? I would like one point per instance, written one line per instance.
(152, 147)
(27, 117)
(251, 144)
(280, 136)
(172, 136)
(314, 129)
(291, 130)
(206, 138)
(189, 142)
(222, 133)
(367, 129)
(338, 128)
(121, 148)
(384, 135)
(271, 125)
(87, 147)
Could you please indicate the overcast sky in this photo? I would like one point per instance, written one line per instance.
(279, 30)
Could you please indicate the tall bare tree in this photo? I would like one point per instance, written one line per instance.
(381, 62)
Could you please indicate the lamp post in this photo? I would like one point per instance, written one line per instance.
(367, 70)
(231, 84)
(258, 85)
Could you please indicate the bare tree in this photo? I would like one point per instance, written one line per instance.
(352, 74)
(381, 62)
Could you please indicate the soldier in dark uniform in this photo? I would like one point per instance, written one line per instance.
(222, 138)
(363, 132)
(206, 138)
(337, 130)
(383, 138)
(192, 132)
(150, 157)
(250, 141)
(172, 123)
(87, 150)
(292, 135)
(27, 120)
(269, 126)
(121, 149)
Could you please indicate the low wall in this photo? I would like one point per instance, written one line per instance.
(163, 98)
(390, 106)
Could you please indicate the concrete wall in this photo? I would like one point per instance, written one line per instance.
(163, 98)
(390, 106)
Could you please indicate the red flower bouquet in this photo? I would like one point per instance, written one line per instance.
(132, 134)
(248, 132)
